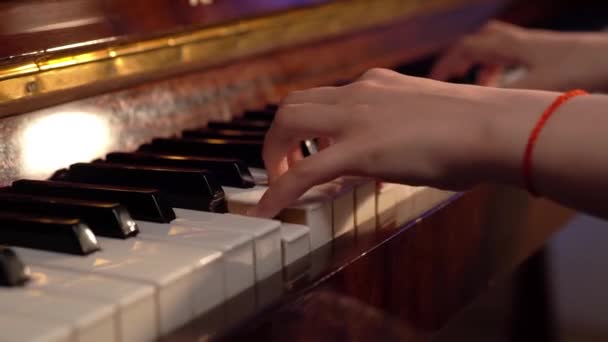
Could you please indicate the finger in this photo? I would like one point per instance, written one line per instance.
(532, 82)
(295, 155)
(455, 63)
(380, 74)
(293, 124)
(322, 95)
(317, 169)
(323, 143)
(487, 47)
(490, 75)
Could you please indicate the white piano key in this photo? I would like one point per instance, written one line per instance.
(341, 194)
(413, 202)
(237, 247)
(295, 239)
(91, 321)
(23, 328)
(343, 208)
(386, 200)
(313, 210)
(405, 210)
(365, 208)
(428, 198)
(135, 302)
(260, 176)
(266, 234)
(188, 280)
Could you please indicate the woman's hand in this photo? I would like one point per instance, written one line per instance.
(399, 129)
(550, 60)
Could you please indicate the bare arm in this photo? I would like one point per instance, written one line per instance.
(423, 132)
(570, 161)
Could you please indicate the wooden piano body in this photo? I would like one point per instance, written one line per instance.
(81, 78)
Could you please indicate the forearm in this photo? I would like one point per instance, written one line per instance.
(593, 64)
(570, 158)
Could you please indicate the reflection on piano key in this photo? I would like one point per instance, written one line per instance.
(247, 151)
(135, 302)
(143, 204)
(53, 234)
(104, 218)
(209, 133)
(187, 280)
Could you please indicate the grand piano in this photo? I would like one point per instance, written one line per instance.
(130, 149)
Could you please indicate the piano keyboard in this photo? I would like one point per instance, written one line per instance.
(134, 246)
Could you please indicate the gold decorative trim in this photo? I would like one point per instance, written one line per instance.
(59, 70)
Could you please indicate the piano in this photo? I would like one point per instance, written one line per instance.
(130, 139)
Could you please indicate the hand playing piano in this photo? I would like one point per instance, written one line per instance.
(538, 59)
(395, 128)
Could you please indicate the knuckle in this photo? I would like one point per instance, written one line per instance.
(282, 118)
(374, 73)
(363, 86)
(292, 97)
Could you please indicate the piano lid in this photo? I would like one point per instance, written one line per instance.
(56, 51)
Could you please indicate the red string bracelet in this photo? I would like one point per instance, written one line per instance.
(527, 163)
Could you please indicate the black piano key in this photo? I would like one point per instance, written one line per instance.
(229, 172)
(104, 218)
(183, 188)
(272, 107)
(241, 125)
(65, 235)
(248, 151)
(209, 133)
(260, 115)
(13, 271)
(142, 204)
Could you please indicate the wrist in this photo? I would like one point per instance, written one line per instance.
(505, 130)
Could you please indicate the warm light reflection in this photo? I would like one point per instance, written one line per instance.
(99, 262)
(58, 140)
(132, 225)
(177, 230)
(39, 277)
